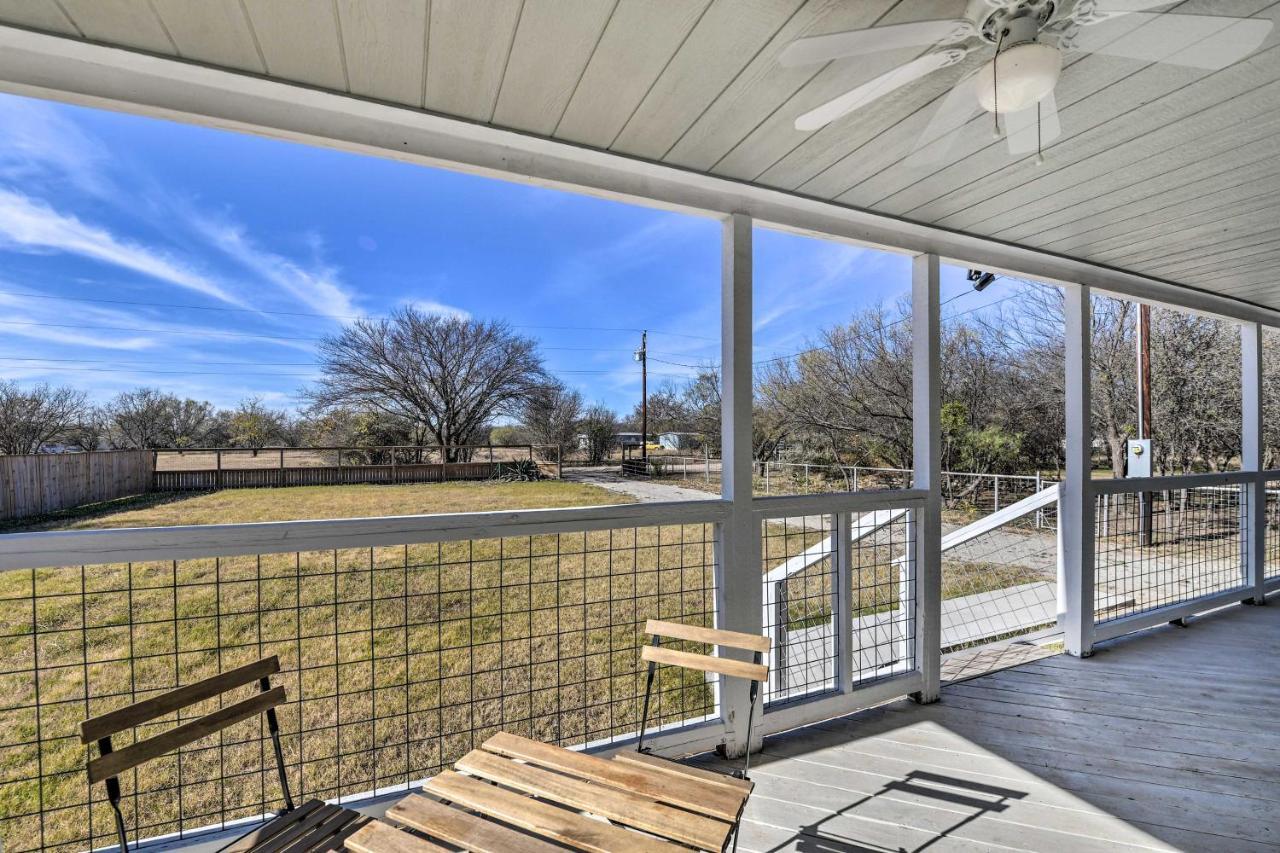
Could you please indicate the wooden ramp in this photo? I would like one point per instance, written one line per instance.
(1168, 740)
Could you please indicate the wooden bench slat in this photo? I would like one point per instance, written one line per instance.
(691, 795)
(544, 819)
(464, 829)
(336, 843)
(706, 663)
(319, 836)
(138, 713)
(379, 837)
(114, 763)
(665, 765)
(272, 827)
(710, 636)
(301, 829)
(615, 804)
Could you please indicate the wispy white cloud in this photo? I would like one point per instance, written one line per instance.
(430, 306)
(318, 287)
(30, 225)
(38, 142)
(591, 269)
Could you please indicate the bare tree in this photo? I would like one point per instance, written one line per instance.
(148, 418)
(90, 430)
(550, 415)
(31, 419)
(450, 374)
(253, 424)
(599, 427)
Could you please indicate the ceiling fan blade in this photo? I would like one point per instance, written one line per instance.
(1121, 7)
(1034, 128)
(957, 107)
(1199, 41)
(808, 51)
(876, 88)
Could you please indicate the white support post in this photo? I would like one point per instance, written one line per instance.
(739, 586)
(842, 607)
(1253, 523)
(926, 528)
(1076, 506)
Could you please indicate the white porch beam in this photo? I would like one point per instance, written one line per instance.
(64, 69)
(1076, 508)
(1254, 522)
(739, 585)
(926, 423)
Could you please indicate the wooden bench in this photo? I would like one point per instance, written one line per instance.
(514, 793)
(313, 826)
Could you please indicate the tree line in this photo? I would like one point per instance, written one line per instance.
(415, 378)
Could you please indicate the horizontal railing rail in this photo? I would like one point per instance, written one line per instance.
(82, 547)
(1111, 486)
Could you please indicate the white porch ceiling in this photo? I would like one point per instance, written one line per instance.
(1161, 170)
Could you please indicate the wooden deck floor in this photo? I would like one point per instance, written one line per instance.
(1166, 740)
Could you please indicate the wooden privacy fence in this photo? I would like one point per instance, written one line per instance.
(45, 482)
(248, 478)
(192, 469)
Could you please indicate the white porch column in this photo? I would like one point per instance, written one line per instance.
(927, 456)
(738, 583)
(1075, 507)
(1254, 522)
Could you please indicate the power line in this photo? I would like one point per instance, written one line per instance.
(897, 322)
(146, 304)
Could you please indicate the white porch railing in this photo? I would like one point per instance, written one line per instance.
(404, 642)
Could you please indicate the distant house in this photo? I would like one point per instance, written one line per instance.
(680, 440)
(628, 439)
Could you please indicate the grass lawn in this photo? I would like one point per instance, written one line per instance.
(165, 509)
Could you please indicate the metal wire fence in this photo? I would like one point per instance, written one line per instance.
(396, 661)
(802, 611)
(1155, 549)
(1272, 551)
(799, 603)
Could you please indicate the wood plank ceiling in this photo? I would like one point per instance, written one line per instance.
(1161, 169)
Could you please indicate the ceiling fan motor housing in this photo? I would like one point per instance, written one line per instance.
(1024, 71)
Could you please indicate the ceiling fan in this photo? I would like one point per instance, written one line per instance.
(1029, 39)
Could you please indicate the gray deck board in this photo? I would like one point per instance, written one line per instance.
(1166, 740)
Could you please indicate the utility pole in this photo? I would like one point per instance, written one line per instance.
(1144, 412)
(644, 396)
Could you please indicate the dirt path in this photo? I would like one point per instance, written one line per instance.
(642, 490)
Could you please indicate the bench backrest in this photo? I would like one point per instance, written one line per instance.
(656, 653)
(110, 763)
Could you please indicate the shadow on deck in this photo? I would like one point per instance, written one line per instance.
(1162, 740)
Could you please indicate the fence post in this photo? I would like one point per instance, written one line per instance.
(855, 478)
(1076, 509)
(1253, 522)
(739, 586)
(996, 477)
(280, 470)
(217, 455)
(927, 470)
(766, 476)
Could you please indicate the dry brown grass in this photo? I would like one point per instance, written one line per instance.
(360, 501)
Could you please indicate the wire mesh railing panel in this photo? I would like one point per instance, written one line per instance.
(799, 606)
(1272, 554)
(396, 661)
(1161, 548)
(999, 585)
(882, 601)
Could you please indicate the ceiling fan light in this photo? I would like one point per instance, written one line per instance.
(1025, 73)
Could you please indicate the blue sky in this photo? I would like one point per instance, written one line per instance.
(207, 263)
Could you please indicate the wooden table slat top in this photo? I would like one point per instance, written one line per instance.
(463, 829)
(689, 794)
(379, 837)
(615, 804)
(518, 794)
(567, 827)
